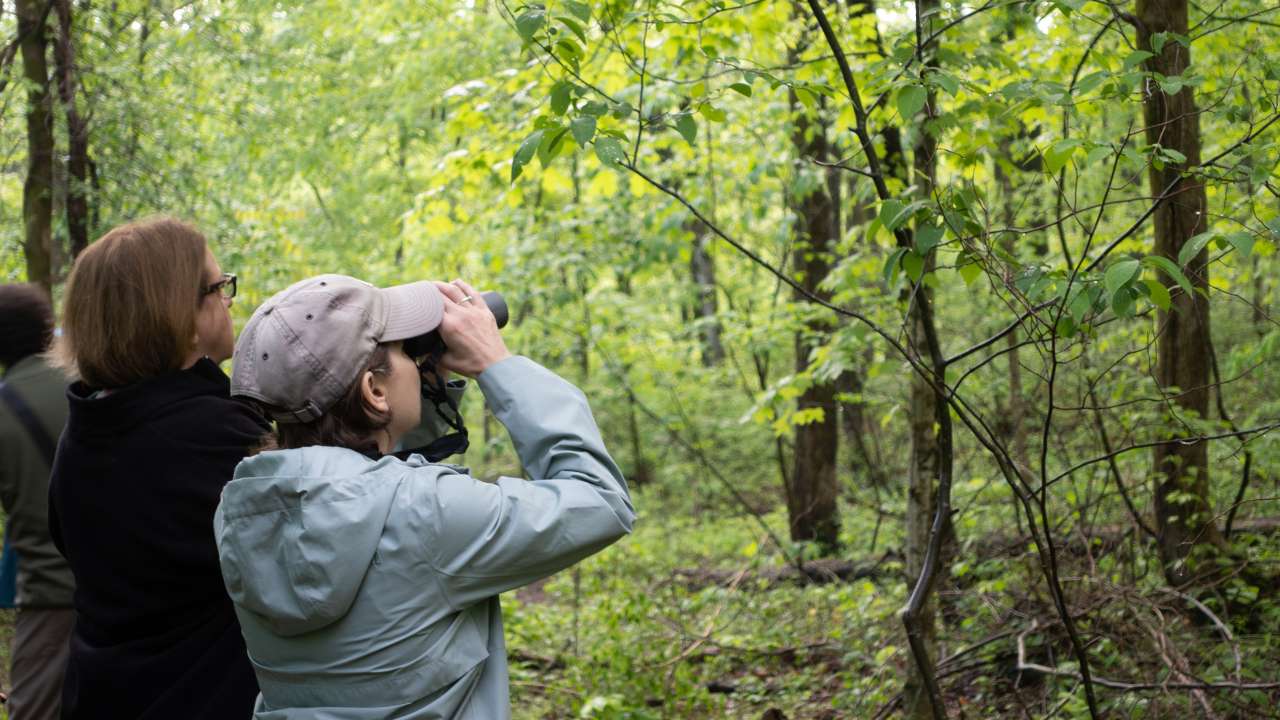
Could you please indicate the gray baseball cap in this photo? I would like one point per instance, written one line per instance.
(303, 348)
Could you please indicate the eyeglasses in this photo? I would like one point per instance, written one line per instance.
(226, 286)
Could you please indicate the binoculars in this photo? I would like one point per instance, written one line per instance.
(432, 345)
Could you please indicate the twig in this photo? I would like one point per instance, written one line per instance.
(1023, 665)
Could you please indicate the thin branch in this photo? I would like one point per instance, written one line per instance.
(1181, 440)
(1023, 665)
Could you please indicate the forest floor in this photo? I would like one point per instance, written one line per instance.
(700, 619)
(691, 619)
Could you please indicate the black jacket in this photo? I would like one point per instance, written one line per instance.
(137, 477)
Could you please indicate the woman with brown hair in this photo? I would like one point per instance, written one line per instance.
(151, 438)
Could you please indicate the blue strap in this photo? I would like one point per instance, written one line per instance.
(8, 574)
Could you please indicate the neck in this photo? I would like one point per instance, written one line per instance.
(386, 443)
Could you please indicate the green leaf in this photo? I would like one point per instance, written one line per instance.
(1080, 304)
(580, 9)
(1192, 247)
(525, 153)
(1066, 327)
(913, 263)
(528, 24)
(892, 264)
(1242, 241)
(687, 127)
(1122, 302)
(1056, 157)
(893, 214)
(1172, 85)
(575, 28)
(911, 100)
(948, 83)
(567, 49)
(741, 88)
(595, 108)
(551, 146)
(1168, 268)
(609, 150)
(711, 112)
(969, 273)
(1170, 155)
(1159, 293)
(583, 128)
(1089, 83)
(927, 238)
(1136, 58)
(1097, 155)
(1121, 274)
(561, 94)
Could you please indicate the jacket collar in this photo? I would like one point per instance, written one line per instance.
(127, 406)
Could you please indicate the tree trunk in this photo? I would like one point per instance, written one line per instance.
(37, 191)
(1184, 518)
(77, 207)
(864, 461)
(1013, 423)
(811, 502)
(706, 309)
(926, 452)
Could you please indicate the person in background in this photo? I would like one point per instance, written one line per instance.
(367, 586)
(151, 438)
(33, 409)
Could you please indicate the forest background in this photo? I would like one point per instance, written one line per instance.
(934, 337)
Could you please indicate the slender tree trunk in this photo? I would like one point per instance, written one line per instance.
(706, 309)
(703, 267)
(37, 192)
(926, 452)
(1014, 421)
(859, 433)
(1184, 518)
(812, 506)
(77, 203)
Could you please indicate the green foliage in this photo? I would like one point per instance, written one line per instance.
(397, 140)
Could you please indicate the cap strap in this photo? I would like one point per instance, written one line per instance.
(305, 414)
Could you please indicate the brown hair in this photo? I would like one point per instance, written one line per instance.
(350, 423)
(26, 322)
(131, 304)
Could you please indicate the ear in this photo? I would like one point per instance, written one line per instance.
(373, 388)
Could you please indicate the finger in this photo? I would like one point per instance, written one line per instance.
(450, 291)
(471, 292)
(466, 287)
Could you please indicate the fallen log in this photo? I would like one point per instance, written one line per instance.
(814, 572)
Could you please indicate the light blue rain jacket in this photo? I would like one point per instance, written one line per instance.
(369, 589)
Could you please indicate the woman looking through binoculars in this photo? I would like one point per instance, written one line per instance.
(367, 586)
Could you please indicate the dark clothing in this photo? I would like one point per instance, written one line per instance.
(40, 647)
(137, 477)
(44, 580)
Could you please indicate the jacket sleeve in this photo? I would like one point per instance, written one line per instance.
(493, 537)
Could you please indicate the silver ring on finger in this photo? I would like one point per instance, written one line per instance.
(466, 299)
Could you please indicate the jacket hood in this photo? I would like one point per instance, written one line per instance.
(297, 531)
